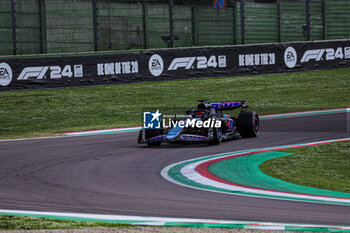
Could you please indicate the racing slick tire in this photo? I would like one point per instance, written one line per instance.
(150, 133)
(248, 124)
(217, 137)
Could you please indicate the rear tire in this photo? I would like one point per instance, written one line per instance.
(248, 124)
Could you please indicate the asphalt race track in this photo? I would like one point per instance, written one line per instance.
(112, 174)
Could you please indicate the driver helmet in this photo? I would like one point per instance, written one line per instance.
(200, 114)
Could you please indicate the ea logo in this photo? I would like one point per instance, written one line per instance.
(290, 57)
(156, 65)
(5, 74)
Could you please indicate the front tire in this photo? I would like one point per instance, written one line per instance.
(248, 124)
(217, 137)
(150, 133)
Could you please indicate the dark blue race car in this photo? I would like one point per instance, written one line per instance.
(206, 124)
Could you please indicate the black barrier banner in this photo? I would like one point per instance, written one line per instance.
(169, 64)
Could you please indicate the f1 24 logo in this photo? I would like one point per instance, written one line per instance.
(200, 62)
(56, 72)
(318, 54)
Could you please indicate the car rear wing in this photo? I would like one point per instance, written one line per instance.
(229, 105)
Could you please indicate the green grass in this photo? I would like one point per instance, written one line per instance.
(14, 222)
(47, 112)
(324, 166)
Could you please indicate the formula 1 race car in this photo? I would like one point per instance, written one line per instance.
(206, 124)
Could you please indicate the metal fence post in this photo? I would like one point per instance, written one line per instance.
(14, 33)
(308, 26)
(171, 23)
(279, 15)
(324, 22)
(109, 26)
(234, 22)
(193, 19)
(242, 22)
(144, 25)
(42, 22)
(94, 6)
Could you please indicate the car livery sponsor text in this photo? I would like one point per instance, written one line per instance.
(226, 105)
